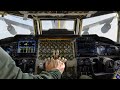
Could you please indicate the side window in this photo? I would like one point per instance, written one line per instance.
(104, 25)
(11, 25)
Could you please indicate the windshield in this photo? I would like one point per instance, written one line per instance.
(104, 25)
(58, 24)
(11, 25)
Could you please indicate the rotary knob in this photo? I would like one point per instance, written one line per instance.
(24, 61)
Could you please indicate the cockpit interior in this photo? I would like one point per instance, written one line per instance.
(89, 40)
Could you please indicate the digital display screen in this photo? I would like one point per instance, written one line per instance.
(26, 47)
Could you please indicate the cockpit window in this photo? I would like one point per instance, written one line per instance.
(104, 25)
(58, 24)
(11, 25)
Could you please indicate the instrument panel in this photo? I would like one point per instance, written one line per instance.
(84, 54)
(26, 46)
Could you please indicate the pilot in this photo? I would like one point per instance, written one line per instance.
(8, 69)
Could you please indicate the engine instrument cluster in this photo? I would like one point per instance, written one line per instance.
(65, 47)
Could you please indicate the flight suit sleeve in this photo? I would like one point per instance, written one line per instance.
(9, 70)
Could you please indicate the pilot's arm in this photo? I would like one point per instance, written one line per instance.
(8, 69)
